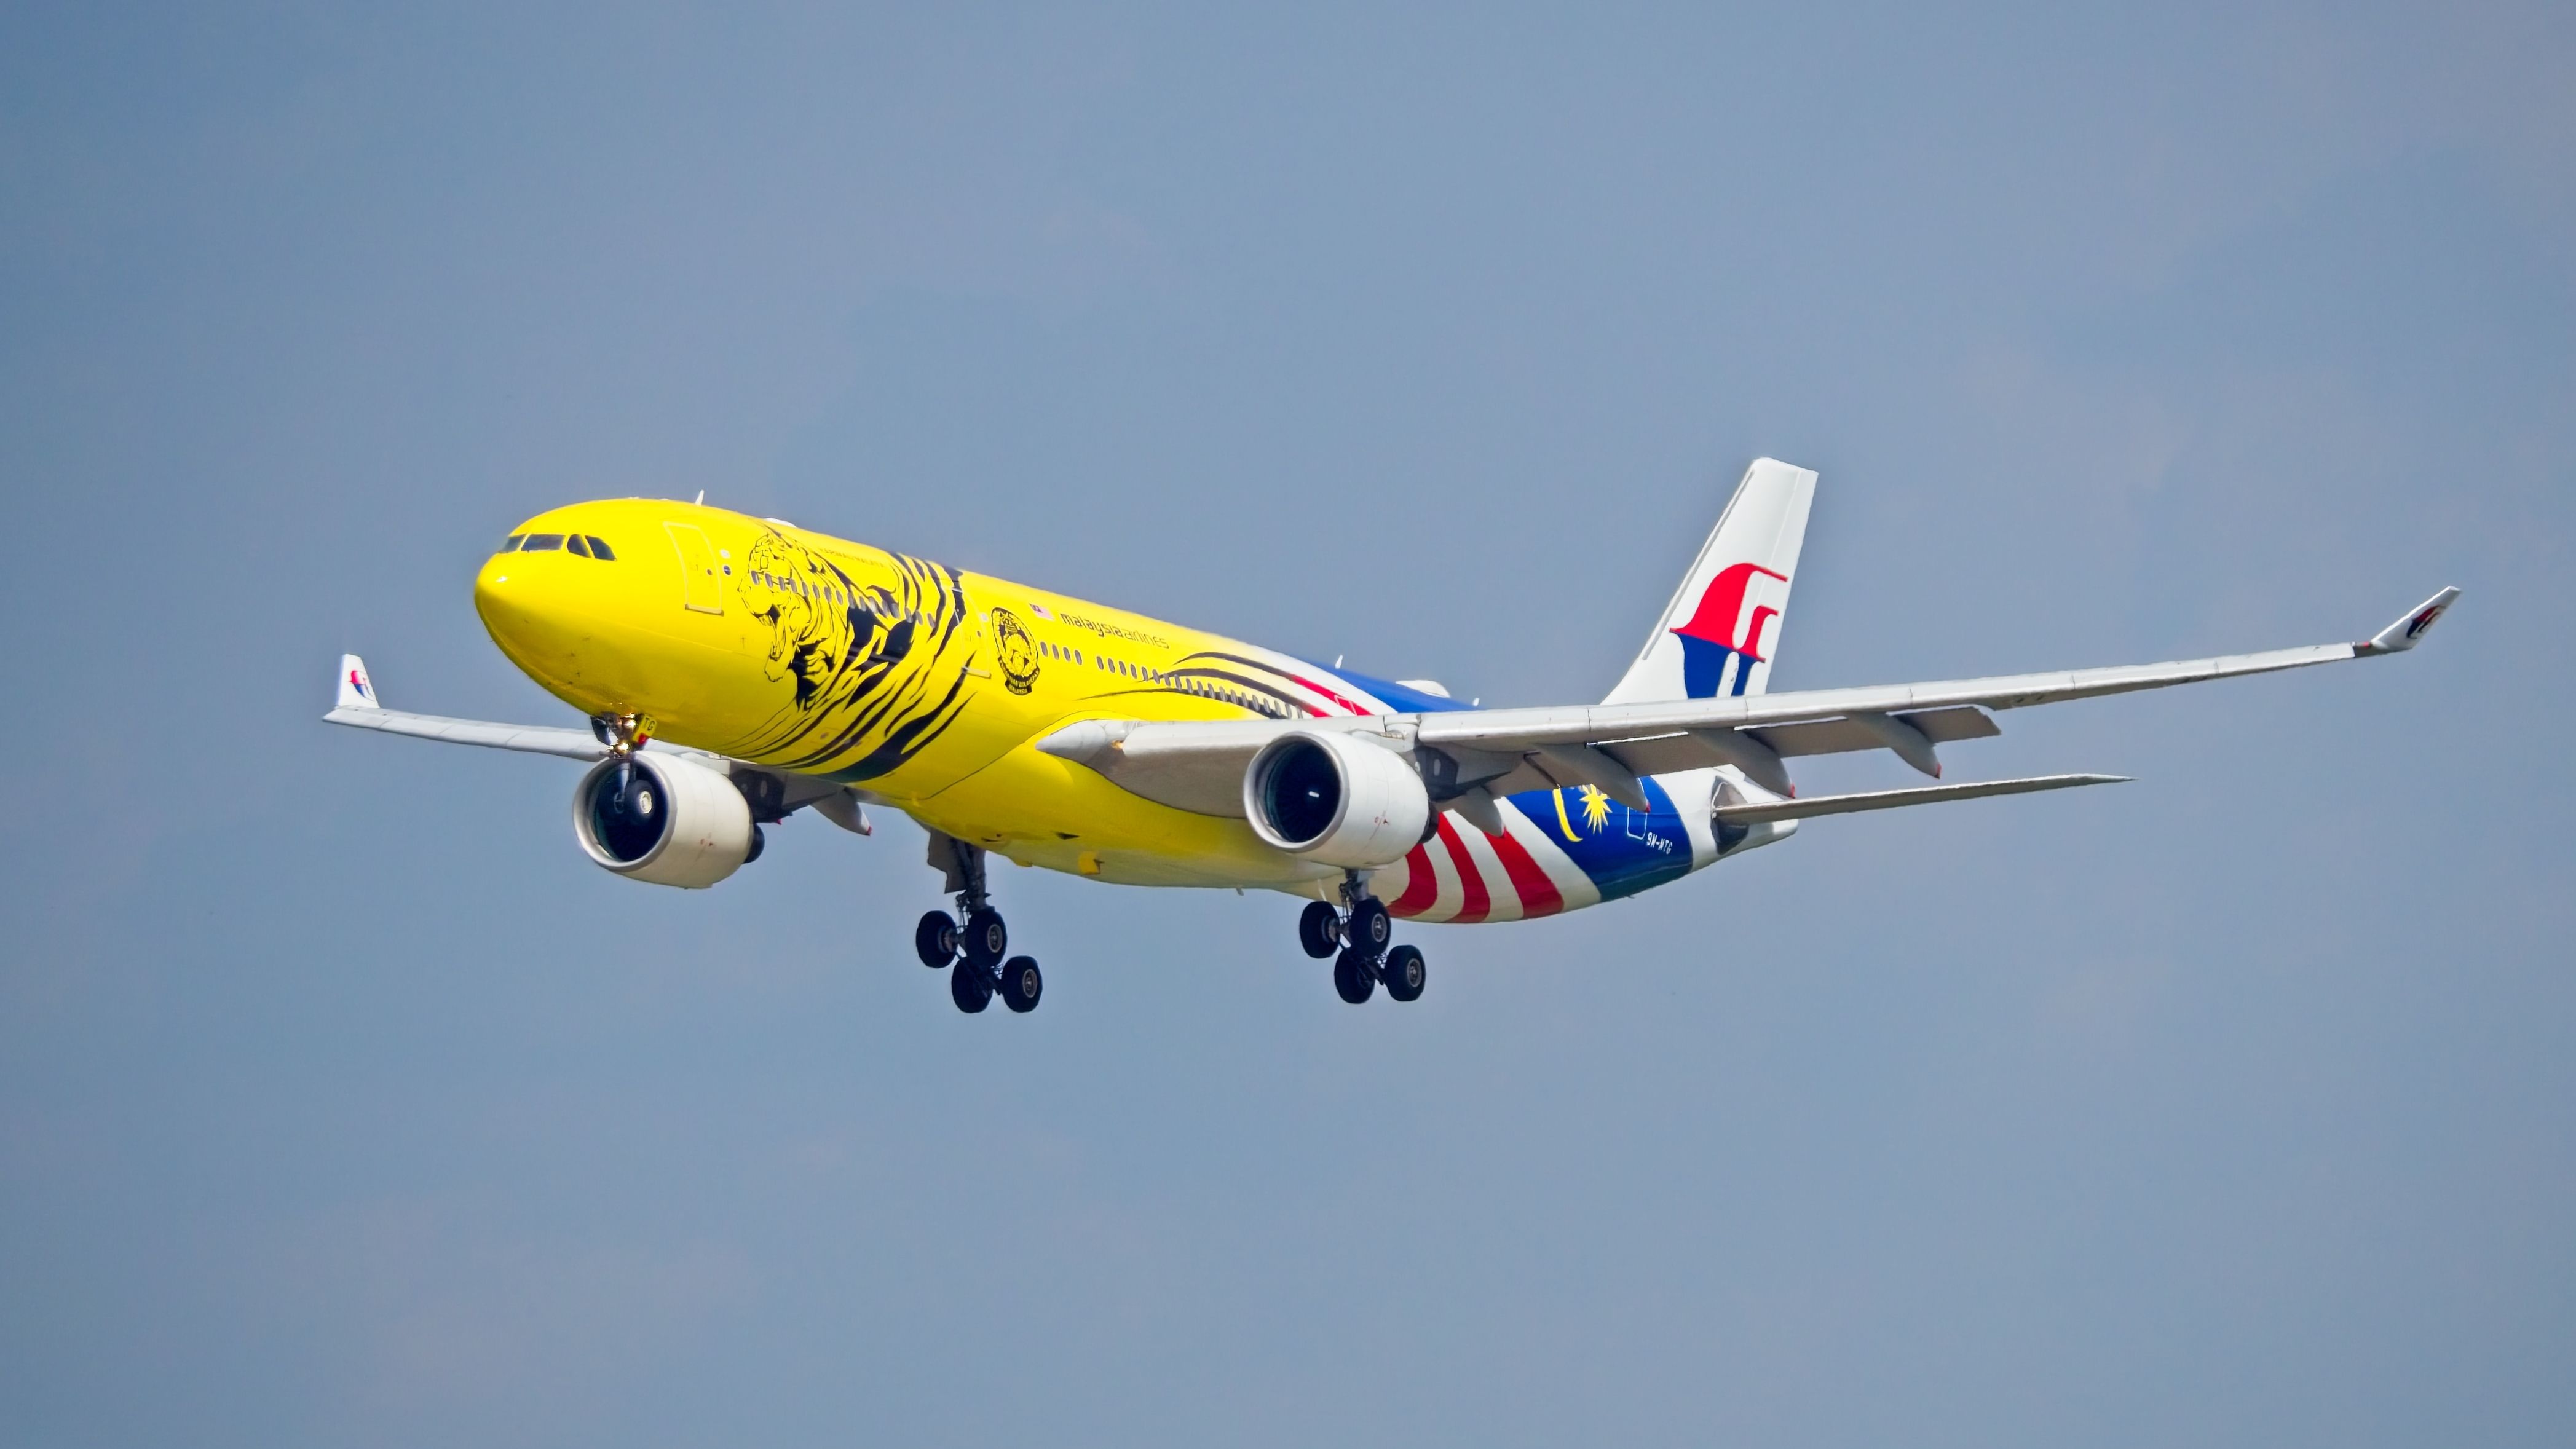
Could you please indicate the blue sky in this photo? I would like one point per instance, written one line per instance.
(342, 1101)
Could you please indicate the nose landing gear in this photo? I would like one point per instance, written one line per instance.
(971, 953)
(1356, 938)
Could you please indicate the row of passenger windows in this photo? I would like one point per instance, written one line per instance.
(588, 545)
(1187, 684)
(828, 593)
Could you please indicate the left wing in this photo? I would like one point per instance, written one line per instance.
(1199, 766)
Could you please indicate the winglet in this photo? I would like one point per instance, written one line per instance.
(356, 690)
(2409, 629)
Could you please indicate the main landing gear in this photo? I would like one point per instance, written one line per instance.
(972, 952)
(1356, 939)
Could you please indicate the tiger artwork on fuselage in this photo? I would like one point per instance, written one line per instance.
(876, 655)
(928, 686)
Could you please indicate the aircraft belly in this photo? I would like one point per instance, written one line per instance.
(1042, 811)
(1561, 850)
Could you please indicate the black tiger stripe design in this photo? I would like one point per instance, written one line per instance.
(876, 656)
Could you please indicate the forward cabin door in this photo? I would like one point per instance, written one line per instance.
(700, 587)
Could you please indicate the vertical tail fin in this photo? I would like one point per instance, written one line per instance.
(1718, 635)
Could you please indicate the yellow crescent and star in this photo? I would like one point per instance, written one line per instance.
(1596, 812)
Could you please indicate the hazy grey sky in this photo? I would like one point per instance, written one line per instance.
(342, 1101)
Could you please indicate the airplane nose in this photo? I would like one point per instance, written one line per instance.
(504, 607)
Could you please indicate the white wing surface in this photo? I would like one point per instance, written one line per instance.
(358, 707)
(527, 739)
(1199, 766)
(773, 794)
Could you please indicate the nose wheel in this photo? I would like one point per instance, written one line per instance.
(970, 943)
(1356, 938)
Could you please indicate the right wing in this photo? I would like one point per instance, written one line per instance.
(773, 794)
(357, 707)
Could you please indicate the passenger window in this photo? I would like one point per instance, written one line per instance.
(573, 544)
(599, 549)
(510, 544)
(540, 542)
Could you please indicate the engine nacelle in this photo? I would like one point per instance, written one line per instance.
(663, 819)
(1335, 799)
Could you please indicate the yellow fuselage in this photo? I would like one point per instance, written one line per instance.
(924, 686)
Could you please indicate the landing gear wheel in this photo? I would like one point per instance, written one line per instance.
(1021, 983)
(1319, 929)
(1370, 926)
(985, 940)
(935, 939)
(970, 986)
(1353, 977)
(1404, 973)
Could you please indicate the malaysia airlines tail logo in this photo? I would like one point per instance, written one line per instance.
(1710, 642)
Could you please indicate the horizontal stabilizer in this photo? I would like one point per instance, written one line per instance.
(1752, 814)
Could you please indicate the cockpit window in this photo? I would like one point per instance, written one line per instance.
(573, 544)
(599, 547)
(539, 542)
(510, 544)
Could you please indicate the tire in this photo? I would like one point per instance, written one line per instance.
(1319, 929)
(985, 940)
(1404, 973)
(1022, 983)
(1353, 978)
(935, 939)
(970, 986)
(1371, 927)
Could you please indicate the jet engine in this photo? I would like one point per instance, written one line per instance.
(663, 819)
(1336, 799)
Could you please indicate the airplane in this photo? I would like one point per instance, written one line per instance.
(736, 670)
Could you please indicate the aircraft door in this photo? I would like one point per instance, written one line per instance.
(701, 588)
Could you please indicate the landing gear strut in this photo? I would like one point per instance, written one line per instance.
(1356, 938)
(969, 944)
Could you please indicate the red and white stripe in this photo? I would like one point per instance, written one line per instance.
(1463, 875)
